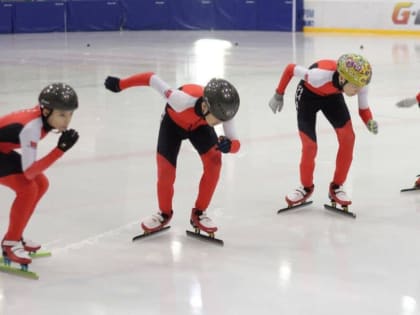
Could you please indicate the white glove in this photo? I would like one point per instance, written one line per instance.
(276, 103)
(372, 126)
(407, 102)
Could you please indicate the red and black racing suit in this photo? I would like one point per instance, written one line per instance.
(22, 172)
(184, 119)
(319, 90)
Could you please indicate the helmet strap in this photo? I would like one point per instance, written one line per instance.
(204, 114)
(342, 81)
(45, 124)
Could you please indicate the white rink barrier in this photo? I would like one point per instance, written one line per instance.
(373, 16)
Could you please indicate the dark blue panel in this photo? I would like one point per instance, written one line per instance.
(235, 14)
(274, 15)
(34, 17)
(94, 15)
(146, 14)
(192, 14)
(6, 11)
(299, 15)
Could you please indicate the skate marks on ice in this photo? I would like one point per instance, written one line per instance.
(147, 234)
(7, 266)
(207, 238)
(300, 205)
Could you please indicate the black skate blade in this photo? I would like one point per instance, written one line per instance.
(206, 238)
(303, 204)
(410, 189)
(135, 238)
(340, 211)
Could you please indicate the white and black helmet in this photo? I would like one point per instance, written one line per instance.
(222, 99)
(58, 96)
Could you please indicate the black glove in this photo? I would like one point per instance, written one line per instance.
(113, 84)
(224, 144)
(67, 139)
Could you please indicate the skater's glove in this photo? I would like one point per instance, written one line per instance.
(407, 102)
(67, 139)
(224, 145)
(113, 84)
(372, 126)
(276, 103)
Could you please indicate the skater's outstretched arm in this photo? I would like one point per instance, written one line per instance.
(316, 77)
(177, 99)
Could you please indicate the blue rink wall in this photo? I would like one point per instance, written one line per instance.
(113, 15)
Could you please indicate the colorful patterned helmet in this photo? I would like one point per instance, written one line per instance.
(222, 99)
(58, 96)
(355, 69)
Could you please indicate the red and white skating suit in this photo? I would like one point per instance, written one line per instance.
(183, 119)
(23, 173)
(319, 90)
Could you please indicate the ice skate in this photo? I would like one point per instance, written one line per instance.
(13, 252)
(33, 249)
(416, 186)
(30, 246)
(338, 196)
(201, 222)
(298, 198)
(155, 223)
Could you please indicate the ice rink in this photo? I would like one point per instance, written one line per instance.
(302, 262)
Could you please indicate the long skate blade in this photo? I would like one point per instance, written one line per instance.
(205, 238)
(18, 272)
(340, 211)
(410, 189)
(40, 254)
(303, 204)
(135, 238)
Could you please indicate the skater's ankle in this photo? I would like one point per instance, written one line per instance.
(334, 185)
(309, 189)
(167, 215)
(197, 212)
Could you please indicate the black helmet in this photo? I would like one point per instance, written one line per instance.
(58, 96)
(222, 99)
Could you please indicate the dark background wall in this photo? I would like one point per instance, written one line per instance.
(102, 15)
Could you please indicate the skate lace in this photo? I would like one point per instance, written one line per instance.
(158, 217)
(28, 242)
(19, 251)
(299, 192)
(204, 218)
(340, 193)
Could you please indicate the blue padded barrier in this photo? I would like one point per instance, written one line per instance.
(6, 14)
(34, 17)
(191, 14)
(146, 14)
(94, 15)
(235, 15)
(102, 15)
(275, 17)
